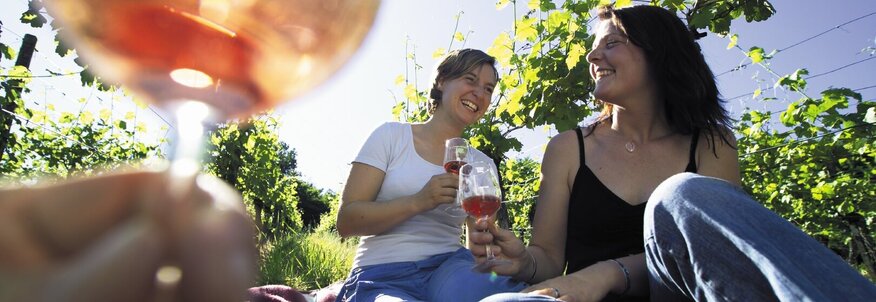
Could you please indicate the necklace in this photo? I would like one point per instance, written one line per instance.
(630, 146)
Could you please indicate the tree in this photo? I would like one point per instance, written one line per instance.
(545, 79)
(41, 141)
(248, 156)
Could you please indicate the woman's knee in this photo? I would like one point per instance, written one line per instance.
(683, 189)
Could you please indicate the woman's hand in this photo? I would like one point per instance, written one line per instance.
(106, 238)
(573, 287)
(439, 190)
(504, 244)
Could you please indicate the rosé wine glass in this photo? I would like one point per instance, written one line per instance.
(481, 197)
(456, 154)
(205, 61)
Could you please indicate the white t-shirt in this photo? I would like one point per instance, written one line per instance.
(390, 148)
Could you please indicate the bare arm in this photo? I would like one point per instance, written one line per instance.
(549, 225)
(544, 258)
(359, 215)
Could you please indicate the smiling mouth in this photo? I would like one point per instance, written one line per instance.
(471, 106)
(604, 73)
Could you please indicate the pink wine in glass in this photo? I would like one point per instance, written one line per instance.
(453, 166)
(240, 57)
(481, 205)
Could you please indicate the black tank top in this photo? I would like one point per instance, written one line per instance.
(601, 225)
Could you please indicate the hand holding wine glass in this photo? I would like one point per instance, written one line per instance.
(205, 61)
(456, 154)
(481, 197)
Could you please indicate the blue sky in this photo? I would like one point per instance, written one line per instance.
(328, 125)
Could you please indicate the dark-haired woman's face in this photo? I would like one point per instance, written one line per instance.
(618, 66)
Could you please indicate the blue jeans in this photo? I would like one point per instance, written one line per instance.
(707, 240)
(443, 277)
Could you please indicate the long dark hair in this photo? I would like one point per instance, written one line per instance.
(456, 64)
(685, 83)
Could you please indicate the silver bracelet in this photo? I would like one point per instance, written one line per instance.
(626, 276)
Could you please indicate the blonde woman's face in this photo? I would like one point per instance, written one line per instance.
(467, 97)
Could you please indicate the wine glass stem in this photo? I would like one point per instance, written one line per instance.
(490, 255)
(188, 150)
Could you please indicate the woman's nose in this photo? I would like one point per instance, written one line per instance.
(593, 55)
(480, 91)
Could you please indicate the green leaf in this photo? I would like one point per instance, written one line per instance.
(623, 3)
(105, 114)
(66, 118)
(575, 53)
(526, 30)
(789, 116)
(733, 41)
(756, 54)
(410, 92)
(7, 52)
(86, 117)
(794, 81)
(35, 20)
(502, 4)
(62, 48)
(542, 5)
(502, 49)
(440, 52)
(557, 19)
(701, 18)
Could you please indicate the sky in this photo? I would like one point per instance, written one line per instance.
(328, 125)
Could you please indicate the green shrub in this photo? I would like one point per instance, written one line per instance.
(306, 261)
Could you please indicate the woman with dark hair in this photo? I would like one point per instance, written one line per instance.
(659, 158)
(397, 192)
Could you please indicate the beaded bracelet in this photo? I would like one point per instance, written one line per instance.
(626, 276)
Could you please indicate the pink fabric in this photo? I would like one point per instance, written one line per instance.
(275, 293)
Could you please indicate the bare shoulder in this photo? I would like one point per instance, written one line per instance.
(561, 146)
(718, 156)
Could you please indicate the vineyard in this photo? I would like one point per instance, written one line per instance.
(808, 155)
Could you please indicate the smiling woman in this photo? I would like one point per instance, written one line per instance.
(398, 190)
(610, 225)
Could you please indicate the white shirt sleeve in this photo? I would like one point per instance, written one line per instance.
(377, 149)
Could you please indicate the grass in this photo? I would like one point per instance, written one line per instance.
(306, 261)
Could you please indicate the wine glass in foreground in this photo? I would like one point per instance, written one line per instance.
(205, 61)
(481, 198)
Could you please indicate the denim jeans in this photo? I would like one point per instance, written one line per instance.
(707, 240)
(443, 277)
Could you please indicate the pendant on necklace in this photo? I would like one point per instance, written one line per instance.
(630, 147)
